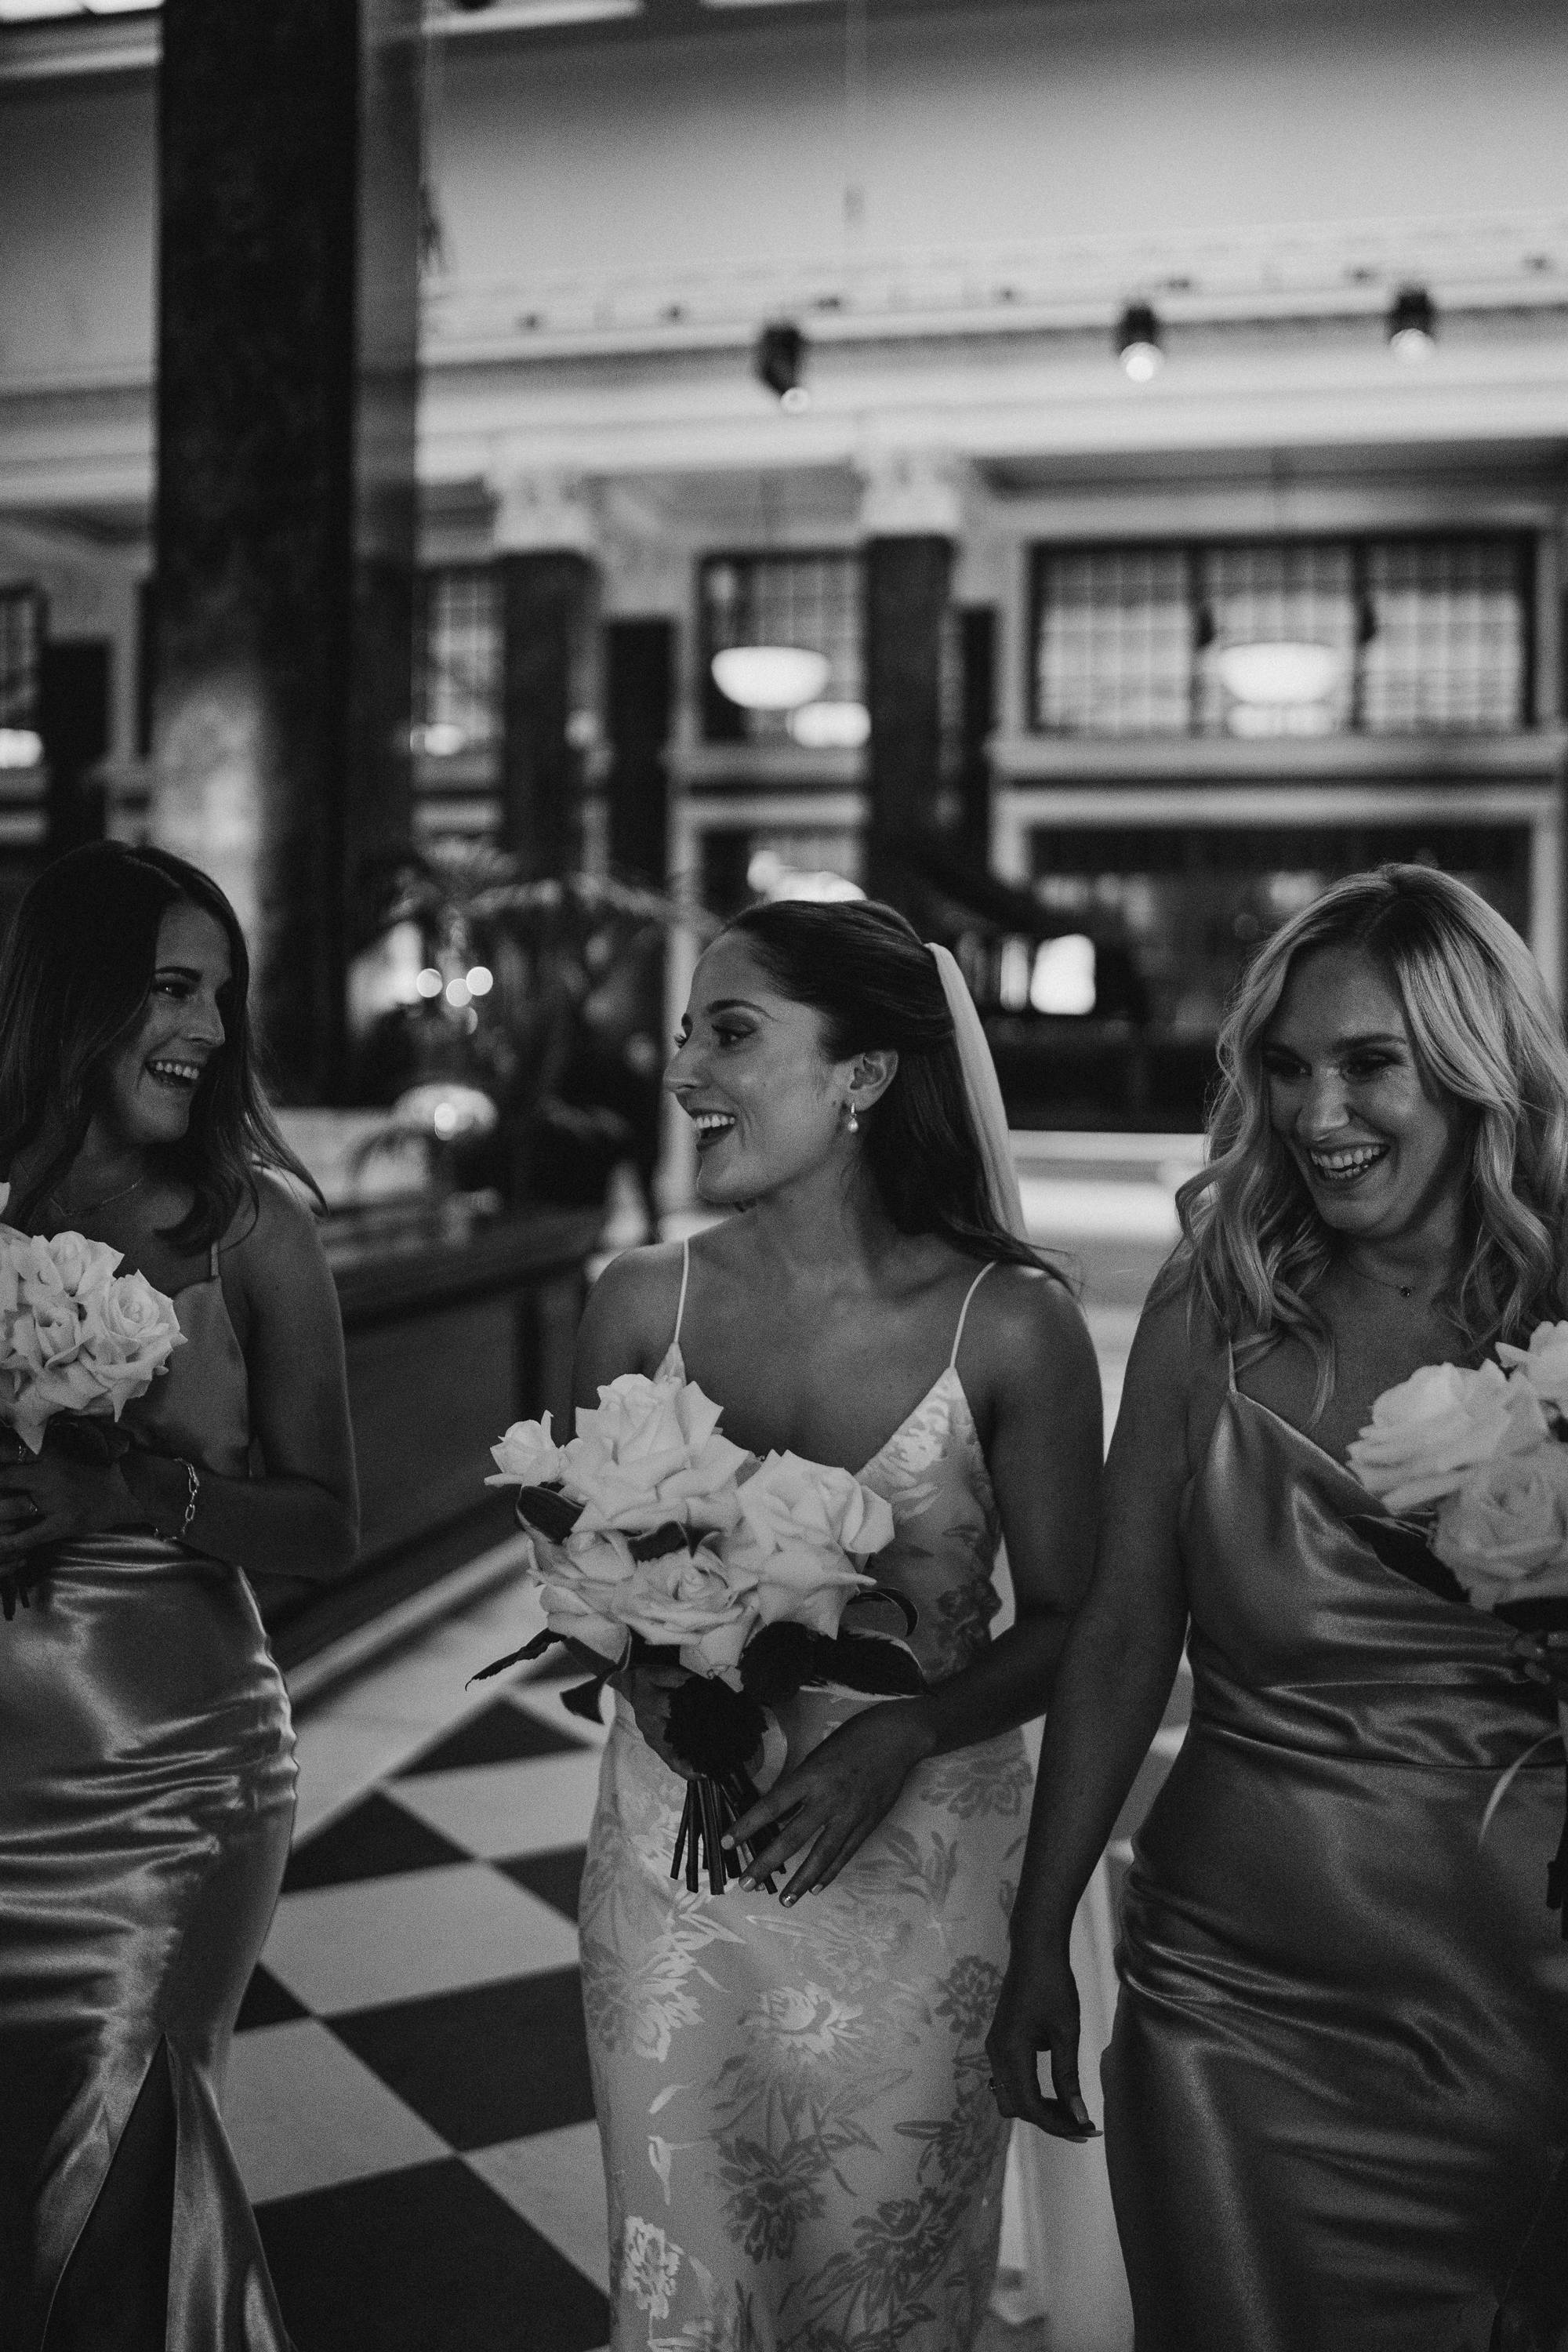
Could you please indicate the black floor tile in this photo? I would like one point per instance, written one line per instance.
(375, 1838)
(555, 1878)
(266, 2002)
(503, 1734)
(430, 2260)
(493, 2062)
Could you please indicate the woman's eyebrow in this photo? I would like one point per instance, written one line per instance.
(737, 1005)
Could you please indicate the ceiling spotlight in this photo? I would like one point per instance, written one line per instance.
(1138, 343)
(779, 362)
(1412, 323)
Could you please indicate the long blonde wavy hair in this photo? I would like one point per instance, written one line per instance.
(1485, 1033)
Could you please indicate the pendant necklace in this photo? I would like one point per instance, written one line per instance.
(1383, 1281)
(90, 1208)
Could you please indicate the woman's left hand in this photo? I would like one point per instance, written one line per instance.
(826, 1806)
(68, 1497)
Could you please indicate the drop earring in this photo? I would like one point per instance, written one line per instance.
(852, 1124)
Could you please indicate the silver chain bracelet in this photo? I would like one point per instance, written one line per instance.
(195, 1488)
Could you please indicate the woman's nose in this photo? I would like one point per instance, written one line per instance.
(1323, 1106)
(678, 1069)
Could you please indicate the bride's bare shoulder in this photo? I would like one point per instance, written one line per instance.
(629, 1319)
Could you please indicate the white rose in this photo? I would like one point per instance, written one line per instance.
(650, 1452)
(1545, 1363)
(798, 1522)
(527, 1456)
(1427, 1433)
(581, 1584)
(83, 1266)
(131, 1332)
(694, 1602)
(1504, 1532)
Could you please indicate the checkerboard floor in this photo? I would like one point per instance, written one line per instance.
(408, 2095)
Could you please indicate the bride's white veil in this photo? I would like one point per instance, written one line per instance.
(980, 1084)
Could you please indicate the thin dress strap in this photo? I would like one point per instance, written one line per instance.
(685, 1278)
(963, 1312)
(1230, 1365)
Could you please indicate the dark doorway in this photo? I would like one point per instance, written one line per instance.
(73, 720)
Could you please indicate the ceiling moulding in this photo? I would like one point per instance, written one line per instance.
(1470, 262)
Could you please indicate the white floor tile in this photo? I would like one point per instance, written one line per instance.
(544, 1700)
(556, 2182)
(426, 1931)
(506, 1810)
(303, 2113)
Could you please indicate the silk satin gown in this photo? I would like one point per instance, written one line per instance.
(801, 2149)
(146, 1799)
(1338, 2082)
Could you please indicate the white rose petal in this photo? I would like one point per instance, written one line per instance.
(527, 1455)
(1424, 1434)
(1543, 1364)
(1504, 1531)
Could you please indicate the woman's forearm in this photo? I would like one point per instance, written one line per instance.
(268, 1527)
(1110, 1696)
(1009, 1683)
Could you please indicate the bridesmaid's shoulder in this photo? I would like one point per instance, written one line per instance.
(1178, 1352)
(274, 1238)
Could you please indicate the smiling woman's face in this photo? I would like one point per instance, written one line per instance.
(152, 1081)
(750, 1070)
(1377, 1148)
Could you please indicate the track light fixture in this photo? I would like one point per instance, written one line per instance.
(779, 362)
(1137, 346)
(1412, 323)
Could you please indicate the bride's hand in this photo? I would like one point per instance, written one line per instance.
(1038, 2010)
(647, 1691)
(828, 1804)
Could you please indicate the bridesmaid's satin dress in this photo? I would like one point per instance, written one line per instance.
(146, 1800)
(1338, 2083)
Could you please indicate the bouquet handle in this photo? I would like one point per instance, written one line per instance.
(713, 1806)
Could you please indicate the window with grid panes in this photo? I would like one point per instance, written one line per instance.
(21, 648)
(1452, 640)
(1302, 590)
(1114, 641)
(810, 600)
(1433, 634)
(457, 704)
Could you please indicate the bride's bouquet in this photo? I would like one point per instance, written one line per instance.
(1471, 1467)
(77, 1339)
(656, 1539)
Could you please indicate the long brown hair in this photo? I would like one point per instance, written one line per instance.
(74, 974)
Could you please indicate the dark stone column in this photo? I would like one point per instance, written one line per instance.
(287, 320)
(906, 596)
(547, 614)
(639, 666)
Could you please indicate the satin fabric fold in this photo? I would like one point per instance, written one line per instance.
(146, 1800)
(1338, 2084)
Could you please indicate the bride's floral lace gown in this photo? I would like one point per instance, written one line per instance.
(801, 2151)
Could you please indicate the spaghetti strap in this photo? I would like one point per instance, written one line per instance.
(685, 1278)
(1230, 1366)
(963, 1312)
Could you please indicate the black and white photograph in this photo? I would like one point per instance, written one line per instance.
(783, 1176)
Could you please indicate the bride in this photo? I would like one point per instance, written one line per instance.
(801, 2145)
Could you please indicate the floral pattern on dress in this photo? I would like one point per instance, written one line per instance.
(800, 2148)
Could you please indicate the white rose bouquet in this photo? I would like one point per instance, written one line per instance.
(1471, 1467)
(77, 1339)
(654, 1537)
